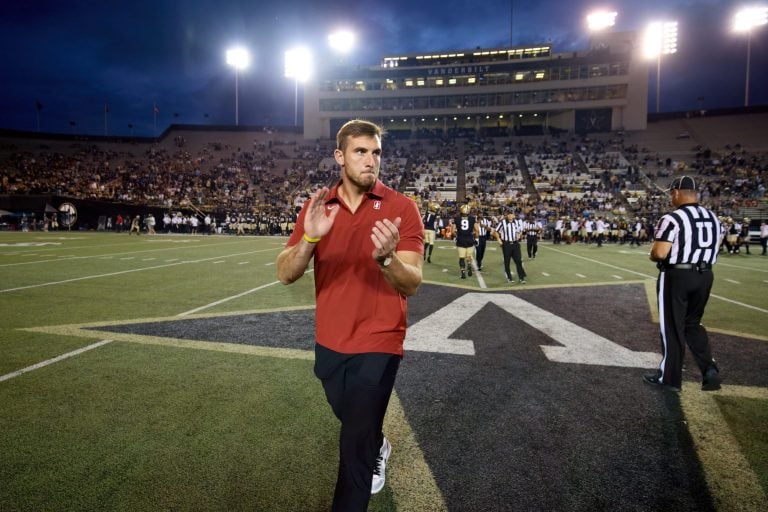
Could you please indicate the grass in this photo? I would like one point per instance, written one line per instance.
(746, 416)
(131, 426)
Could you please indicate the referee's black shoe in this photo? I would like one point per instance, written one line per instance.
(655, 379)
(711, 381)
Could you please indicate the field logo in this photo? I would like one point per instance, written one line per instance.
(579, 345)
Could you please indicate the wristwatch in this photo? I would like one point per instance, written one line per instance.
(386, 261)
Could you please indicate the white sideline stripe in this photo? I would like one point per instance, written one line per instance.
(125, 272)
(732, 281)
(54, 360)
(478, 275)
(581, 276)
(720, 297)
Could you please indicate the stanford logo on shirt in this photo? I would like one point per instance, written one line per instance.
(377, 205)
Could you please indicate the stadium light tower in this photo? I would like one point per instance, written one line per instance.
(600, 20)
(240, 59)
(298, 65)
(744, 21)
(660, 39)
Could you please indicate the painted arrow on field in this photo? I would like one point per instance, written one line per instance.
(578, 345)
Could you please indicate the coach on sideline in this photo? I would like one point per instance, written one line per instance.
(685, 247)
(367, 241)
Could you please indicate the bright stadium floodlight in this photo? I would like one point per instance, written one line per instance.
(600, 20)
(744, 21)
(342, 41)
(298, 65)
(660, 39)
(240, 59)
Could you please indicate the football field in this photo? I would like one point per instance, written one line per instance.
(175, 373)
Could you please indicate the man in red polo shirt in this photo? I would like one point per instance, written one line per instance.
(367, 241)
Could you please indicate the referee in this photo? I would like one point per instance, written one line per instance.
(532, 229)
(508, 233)
(685, 247)
(485, 226)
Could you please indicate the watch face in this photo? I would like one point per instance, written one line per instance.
(386, 261)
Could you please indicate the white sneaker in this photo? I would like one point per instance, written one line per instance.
(379, 472)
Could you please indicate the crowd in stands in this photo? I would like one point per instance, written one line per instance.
(258, 189)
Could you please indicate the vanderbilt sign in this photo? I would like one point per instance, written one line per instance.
(458, 70)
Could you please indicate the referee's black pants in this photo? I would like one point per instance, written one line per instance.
(511, 251)
(480, 251)
(358, 387)
(532, 245)
(682, 296)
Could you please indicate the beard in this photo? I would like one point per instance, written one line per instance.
(363, 180)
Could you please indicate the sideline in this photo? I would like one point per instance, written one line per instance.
(47, 362)
(96, 276)
(720, 297)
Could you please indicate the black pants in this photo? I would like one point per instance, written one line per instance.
(511, 250)
(532, 245)
(480, 251)
(683, 295)
(358, 387)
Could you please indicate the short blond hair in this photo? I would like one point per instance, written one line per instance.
(357, 128)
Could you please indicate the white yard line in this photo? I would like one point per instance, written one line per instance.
(545, 274)
(742, 304)
(108, 256)
(53, 360)
(721, 263)
(479, 276)
(96, 276)
(732, 281)
(581, 276)
(227, 299)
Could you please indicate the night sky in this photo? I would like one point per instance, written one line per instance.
(63, 61)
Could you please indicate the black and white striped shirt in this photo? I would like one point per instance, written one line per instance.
(694, 232)
(531, 227)
(509, 231)
(484, 226)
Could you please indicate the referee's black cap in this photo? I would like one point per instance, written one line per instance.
(683, 183)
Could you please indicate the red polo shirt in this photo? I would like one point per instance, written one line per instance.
(357, 309)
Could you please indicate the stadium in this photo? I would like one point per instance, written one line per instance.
(170, 370)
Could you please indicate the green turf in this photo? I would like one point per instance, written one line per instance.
(139, 427)
(157, 428)
(748, 420)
